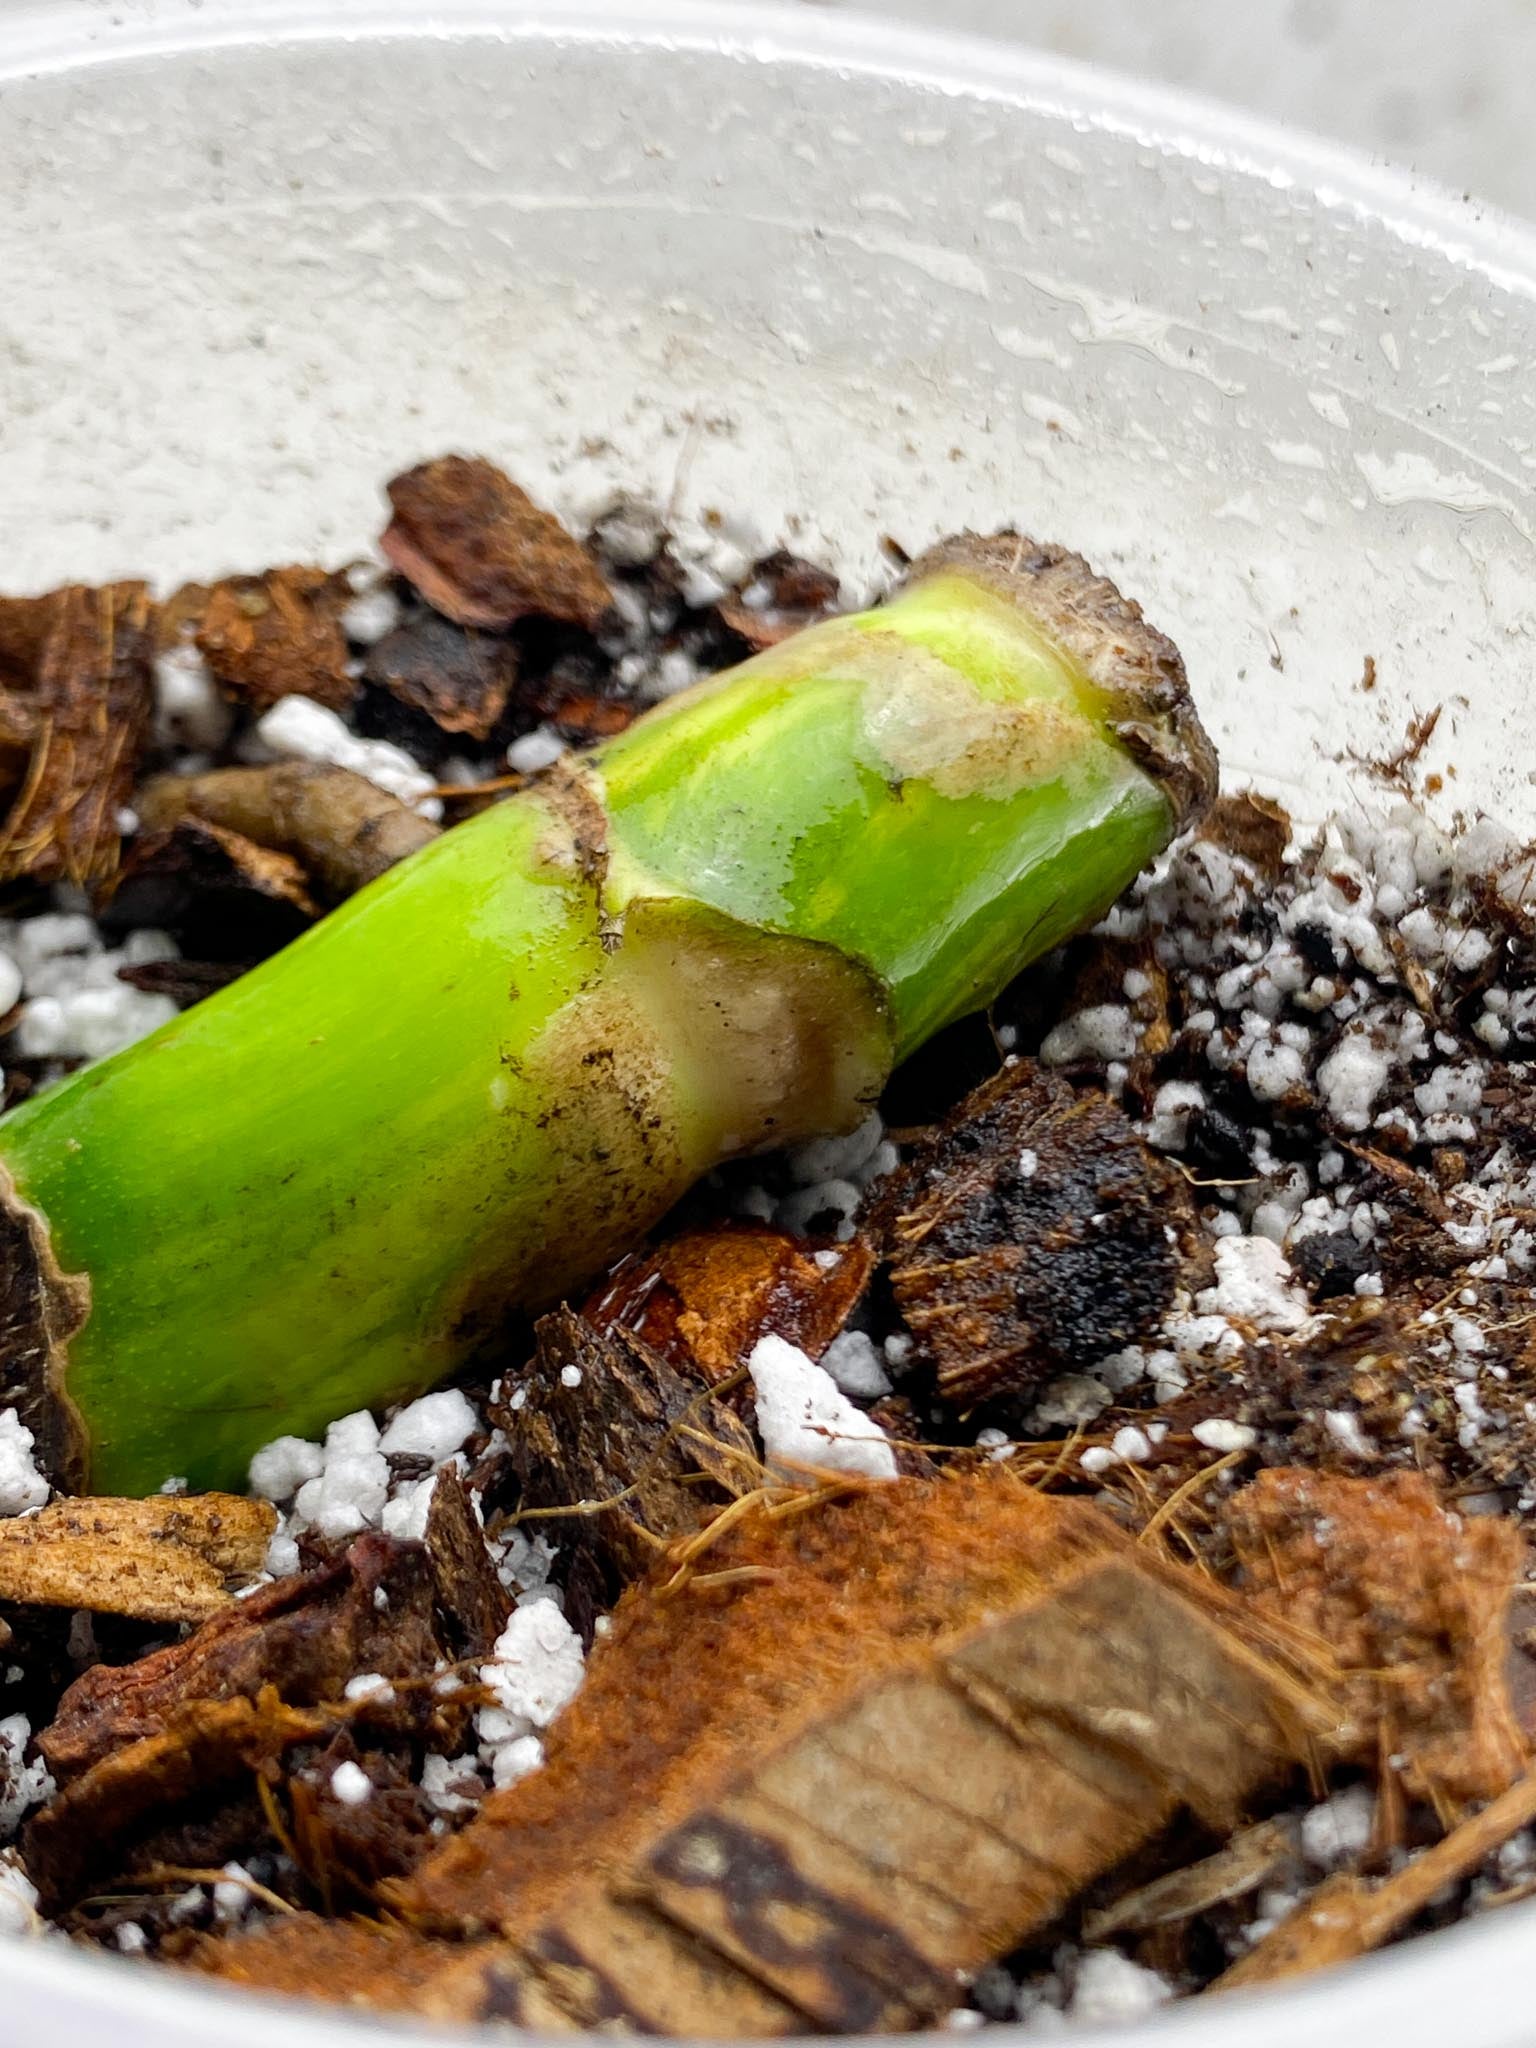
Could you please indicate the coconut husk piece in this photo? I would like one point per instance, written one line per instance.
(78, 697)
(1027, 1237)
(277, 635)
(855, 1744)
(1412, 1602)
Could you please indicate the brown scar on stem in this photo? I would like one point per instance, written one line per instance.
(41, 1309)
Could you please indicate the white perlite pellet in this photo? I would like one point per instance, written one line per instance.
(18, 1898)
(1111, 1989)
(536, 1668)
(855, 1364)
(538, 749)
(1107, 1031)
(351, 1784)
(434, 1427)
(22, 1486)
(189, 711)
(1254, 1284)
(281, 1467)
(1219, 1434)
(371, 614)
(23, 1784)
(353, 1484)
(1338, 1830)
(404, 1514)
(805, 1419)
(299, 729)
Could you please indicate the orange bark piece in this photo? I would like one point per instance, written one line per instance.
(482, 553)
(705, 1297)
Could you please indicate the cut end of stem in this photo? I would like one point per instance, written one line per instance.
(1138, 670)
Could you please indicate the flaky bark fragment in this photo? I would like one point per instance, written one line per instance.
(796, 594)
(482, 553)
(1410, 1600)
(169, 1558)
(85, 1827)
(303, 1636)
(473, 1605)
(460, 680)
(1347, 1916)
(90, 693)
(1028, 1237)
(704, 1297)
(342, 829)
(876, 1743)
(278, 635)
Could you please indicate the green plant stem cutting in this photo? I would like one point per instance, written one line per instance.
(492, 1070)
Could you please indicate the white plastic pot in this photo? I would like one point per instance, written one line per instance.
(837, 279)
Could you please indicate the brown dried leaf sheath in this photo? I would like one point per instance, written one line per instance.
(806, 1798)
(343, 829)
(1409, 1598)
(482, 553)
(1237, 1868)
(165, 1559)
(91, 694)
(194, 866)
(1028, 1237)
(279, 635)
(705, 1297)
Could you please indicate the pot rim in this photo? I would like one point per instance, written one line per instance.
(1476, 1971)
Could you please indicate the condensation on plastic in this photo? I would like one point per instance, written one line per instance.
(836, 281)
